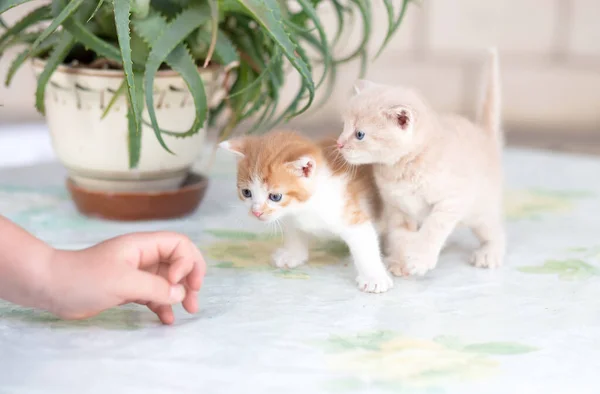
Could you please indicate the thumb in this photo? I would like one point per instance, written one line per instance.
(144, 286)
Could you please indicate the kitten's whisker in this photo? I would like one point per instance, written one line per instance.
(275, 228)
(280, 228)
(271, 228)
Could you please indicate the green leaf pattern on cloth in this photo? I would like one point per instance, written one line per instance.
(247, 250)
(535, 203)
(391, 361)
(568, 269)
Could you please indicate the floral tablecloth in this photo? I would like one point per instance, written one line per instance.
(531, 327)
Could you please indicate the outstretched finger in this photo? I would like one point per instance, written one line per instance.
(164, 312)
(190, 302)
(194, 279)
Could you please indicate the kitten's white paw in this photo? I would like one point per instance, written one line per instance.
(487, 257)
(284, 258)
(375, 284)
(396, 267)
(418, 264)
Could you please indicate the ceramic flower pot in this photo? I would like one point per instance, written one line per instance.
(95, 150)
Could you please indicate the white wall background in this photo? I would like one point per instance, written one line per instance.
(550, 59)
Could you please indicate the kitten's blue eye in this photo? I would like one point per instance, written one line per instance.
(360, 135)
(275, 197)
(246, 193)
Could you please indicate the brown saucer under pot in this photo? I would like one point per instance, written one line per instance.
(133, 206)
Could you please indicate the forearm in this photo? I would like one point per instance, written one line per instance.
(24, 265)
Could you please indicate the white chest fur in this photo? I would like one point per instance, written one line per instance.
(323, 213)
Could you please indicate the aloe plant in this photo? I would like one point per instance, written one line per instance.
(253, 40)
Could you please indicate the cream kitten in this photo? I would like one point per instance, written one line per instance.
(440, 170)
(311, 190)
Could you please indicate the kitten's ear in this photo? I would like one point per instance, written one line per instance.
(402, 115)
(361, 85)
(304, 167)
(235, 146)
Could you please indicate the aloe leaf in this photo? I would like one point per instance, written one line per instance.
(167, 45)
(35, 16)
(8, 4)
(268, 14)
(253, 44)
(23, 38)
(389, 9)
(224, 51)
(120, 91)
(134, 133)
(105, 19)
(122, 9)
(134, 139)
(290, 110)
(140, 8)
(239, 92)
(251, 96)
(91, 40)
(365, 14)
(214, 18)
(150, 28)
(339, 14)
(95, 10)
(392, 25)
(312, 15)
(57, 21)
(258, 102)
(267, 114)
(168, 8)
(181, 61)
(232, 6)
(213, 113)
(139, 51)
(259, 79)
(57, 56)
(332, 71)
(298, 27)
(22, 57)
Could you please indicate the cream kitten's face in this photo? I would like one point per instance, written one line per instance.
(379, 125)
(275, 174)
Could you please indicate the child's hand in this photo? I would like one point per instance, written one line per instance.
(153, 269)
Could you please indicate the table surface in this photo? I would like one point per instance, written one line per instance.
(533, 324)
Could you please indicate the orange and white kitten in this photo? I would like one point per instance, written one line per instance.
(440, 170)
(309, 188)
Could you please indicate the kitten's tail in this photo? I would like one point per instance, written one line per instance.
(489, 116)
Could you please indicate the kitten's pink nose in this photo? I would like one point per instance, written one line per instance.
(340, 145)
(257, 213)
